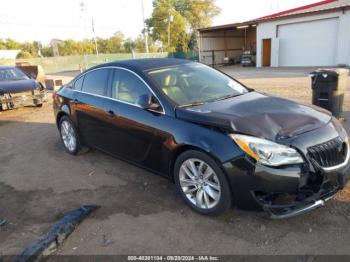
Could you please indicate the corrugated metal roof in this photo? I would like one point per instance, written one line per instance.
(323, 6)
(311, 8)
(227, 26)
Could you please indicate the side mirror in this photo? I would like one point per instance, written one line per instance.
(147, 102)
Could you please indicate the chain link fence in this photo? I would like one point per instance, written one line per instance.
(79, 62)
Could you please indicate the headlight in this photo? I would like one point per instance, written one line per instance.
(267, 152)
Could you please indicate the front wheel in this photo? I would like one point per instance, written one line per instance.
(69, 135)
(201, 183)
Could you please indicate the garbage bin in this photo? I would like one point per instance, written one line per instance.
(328, 89)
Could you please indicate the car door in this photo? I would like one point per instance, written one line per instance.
(131, 133)
(91, 108)
(73, 90)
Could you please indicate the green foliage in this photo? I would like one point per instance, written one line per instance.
(115, 44)
(46, 51)
(9, 44)
(72, 47)
(179, 19)
(129, 45)
(198, 13)
(24, 54)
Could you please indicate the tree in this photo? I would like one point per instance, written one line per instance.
(129, 45)
(72, 47)
(168, 25)
(180, 19)
(46, 51)
(198, 13)
(114, 44)
(30, 48)
(139, 43)
(12, 44)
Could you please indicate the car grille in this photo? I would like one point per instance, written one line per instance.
(329, 154)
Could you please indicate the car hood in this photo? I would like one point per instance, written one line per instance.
(17, 86)
(258, 115)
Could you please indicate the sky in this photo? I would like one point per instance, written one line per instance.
(43, 20)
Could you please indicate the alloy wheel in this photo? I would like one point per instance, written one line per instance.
(68, 136)
(200, 183)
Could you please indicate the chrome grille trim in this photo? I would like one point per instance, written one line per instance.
(327, 156)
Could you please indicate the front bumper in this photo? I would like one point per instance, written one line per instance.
(282, 192)
(307, 198)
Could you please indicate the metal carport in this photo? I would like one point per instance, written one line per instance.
(226, 41)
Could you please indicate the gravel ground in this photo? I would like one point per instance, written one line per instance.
(140, 212)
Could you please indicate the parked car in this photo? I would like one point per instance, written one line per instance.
(33, 71)
(221, 142)
(17, 88)
(248, 59)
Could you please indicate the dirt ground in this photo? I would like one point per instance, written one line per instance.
(141, 213)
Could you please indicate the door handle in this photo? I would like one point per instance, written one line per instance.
(110, 113)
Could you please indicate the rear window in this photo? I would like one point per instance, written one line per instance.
(12, 74)
(78, 83)
(95, 82)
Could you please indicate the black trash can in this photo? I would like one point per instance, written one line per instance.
(328, 89)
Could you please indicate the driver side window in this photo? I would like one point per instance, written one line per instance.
(127, 87)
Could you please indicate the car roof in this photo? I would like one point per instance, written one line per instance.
(146, 64)
(6, 67)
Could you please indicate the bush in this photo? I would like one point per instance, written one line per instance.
(24, 54)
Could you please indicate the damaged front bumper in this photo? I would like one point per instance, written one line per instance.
(311, 196)
(282, 192)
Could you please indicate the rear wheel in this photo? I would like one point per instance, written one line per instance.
(201, 183)
(69, 135)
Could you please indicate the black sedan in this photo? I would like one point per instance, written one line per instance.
(219, 141)
(17, 88)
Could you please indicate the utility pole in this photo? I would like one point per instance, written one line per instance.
(94, 36)
(83, 9)
(145, 34)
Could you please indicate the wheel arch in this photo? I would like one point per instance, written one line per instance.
(64, 111)
(59, 116)
(184, 148)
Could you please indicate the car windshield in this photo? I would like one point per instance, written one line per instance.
(193, 84)
(12, 74)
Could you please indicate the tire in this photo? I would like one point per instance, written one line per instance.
(219, 198)
(71, 146)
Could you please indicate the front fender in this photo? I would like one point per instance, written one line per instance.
(210, 140)
(66, 110)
